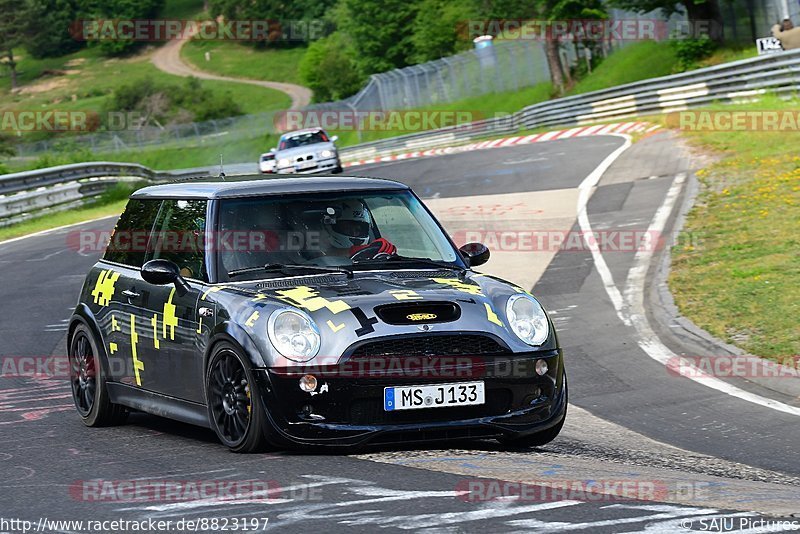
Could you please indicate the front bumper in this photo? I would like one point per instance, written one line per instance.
(322, 165)
(349, 410)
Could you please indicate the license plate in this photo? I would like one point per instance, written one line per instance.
(433, 396)
(306, 165)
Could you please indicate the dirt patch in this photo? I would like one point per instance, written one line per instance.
(44, 86)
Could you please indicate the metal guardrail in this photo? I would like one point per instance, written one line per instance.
(25, 195)
(730, 82)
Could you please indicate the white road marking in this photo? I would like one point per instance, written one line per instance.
(51, 230)
(497, 510)
(648, 340)
(630, 309)
(536, 525)
(585, 190)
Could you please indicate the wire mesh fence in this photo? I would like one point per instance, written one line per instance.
(507, 66)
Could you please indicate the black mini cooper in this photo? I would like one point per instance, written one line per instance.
(315, 311)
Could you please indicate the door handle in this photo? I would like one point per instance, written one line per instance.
(130, 294)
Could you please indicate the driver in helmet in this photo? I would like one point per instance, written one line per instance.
(347, 231)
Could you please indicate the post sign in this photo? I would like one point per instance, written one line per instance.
(768, 45)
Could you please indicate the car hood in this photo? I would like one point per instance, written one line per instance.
(351, 311)
(303, 150)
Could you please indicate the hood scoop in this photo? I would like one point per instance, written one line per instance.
(418, 313)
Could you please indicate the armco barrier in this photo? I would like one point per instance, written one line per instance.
(730, 82)
(24, 195)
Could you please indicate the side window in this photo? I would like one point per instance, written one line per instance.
(128, 244)
(179, 236)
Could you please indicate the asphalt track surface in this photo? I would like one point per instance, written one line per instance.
(631, 420)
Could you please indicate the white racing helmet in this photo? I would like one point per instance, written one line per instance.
(350, 226)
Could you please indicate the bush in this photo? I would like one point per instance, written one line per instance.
(440, 28)
(190, 101)
(63, 154)
(690, 51)
(119, 191)
(328, 69)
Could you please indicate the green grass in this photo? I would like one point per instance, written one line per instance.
(740, 280)
(728, 54)
(485, 106)
(62, 218)
(181, 9)
(238, 151)
(638, 61)
(92, 78)
(245, 61)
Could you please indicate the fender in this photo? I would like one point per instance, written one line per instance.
(83, 314)
(232, 332)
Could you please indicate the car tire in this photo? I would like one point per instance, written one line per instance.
(233, 399)
(88, 382)
(338, 169)
(544, 437)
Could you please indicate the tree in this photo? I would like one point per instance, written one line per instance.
(13, 15)
(123, 10)
(697, 11)
(290, 15)
(47, 28)
(329, 70)
(440, 28)
(379, 31)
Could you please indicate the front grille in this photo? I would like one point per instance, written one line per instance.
(430, 345)
(369, 411)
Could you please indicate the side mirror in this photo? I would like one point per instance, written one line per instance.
(273, 150)
(334, 138)
(163, 272)
(475, 254)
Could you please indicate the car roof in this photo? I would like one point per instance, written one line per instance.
(257, 186)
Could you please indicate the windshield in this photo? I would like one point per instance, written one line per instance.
(308, 138)
(352, 230)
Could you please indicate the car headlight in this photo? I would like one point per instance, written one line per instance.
(326, 154)
(527, 319)
(294, 334)
(284, 162)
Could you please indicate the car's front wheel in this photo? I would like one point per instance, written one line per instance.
(234, 406)
(88, 382)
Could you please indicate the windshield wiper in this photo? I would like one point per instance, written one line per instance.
(289, 268)
(422, 261)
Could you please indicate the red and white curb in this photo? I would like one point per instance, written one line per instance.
(598, 129)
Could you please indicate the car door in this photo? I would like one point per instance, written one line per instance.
(117, 290)
(170, 339)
